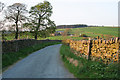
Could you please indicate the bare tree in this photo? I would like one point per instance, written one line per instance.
(16, 13)
(2, 5)
(67, 32)
(1, 25)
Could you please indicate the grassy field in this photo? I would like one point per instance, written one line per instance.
(87, 69)
(96, 31)
(107, 32)
(10, 58)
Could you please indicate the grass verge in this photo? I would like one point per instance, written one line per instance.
(89, 69)
(10, 58)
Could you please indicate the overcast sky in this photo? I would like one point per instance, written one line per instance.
(91, 12)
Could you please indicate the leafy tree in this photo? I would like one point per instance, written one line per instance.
(16, 13)
(40, 19)
(47, 32)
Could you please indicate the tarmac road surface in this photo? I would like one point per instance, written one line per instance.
(45, 63)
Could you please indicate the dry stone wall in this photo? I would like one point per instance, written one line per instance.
(16, 45)
(98, 50)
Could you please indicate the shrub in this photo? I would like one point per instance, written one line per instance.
(83, 35)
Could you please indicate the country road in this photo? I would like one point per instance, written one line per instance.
(45, 63)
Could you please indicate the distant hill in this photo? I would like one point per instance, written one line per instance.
(71, 26)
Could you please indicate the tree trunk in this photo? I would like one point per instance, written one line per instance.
(36, 32)
(36, 35)
(16, 22)
(16, 35)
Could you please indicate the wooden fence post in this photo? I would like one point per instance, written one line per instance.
(118, 51)
(98, 37)
(89, 48)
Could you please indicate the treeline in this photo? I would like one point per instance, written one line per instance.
(76, 26)
(71, 26)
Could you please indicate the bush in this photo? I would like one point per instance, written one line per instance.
(83, 35)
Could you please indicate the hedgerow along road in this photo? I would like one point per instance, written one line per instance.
(45, 63)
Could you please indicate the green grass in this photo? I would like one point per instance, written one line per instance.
(10, 58)
(97, 31)
(52, 38)
(60, 29)
(60, 38)
(88, 69)
(22, 36)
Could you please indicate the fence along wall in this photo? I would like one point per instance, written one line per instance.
(100, 49)
(16, 45)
